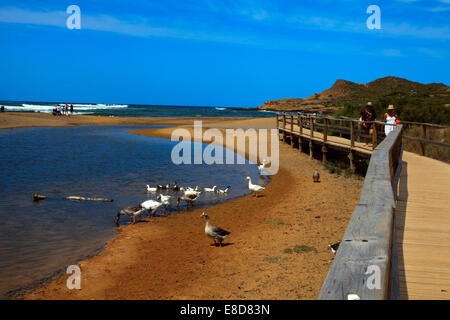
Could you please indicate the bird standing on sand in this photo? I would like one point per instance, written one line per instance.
(215, 233)
(132, 212)
(151, 206)
(316, 176)
(254, 187)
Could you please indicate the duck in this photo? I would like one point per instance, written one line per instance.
(151, 189)
(175, 187)
(316, 176)
(190, 199)
(151, 206)
(132, 212)
(213, 189)
(223, 191)
(215, 233)
(161, 187)
(38, 197)
(254, 187)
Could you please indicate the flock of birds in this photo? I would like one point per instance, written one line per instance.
(190, 195)
(186, 194)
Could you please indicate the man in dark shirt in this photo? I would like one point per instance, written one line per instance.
(367, 116)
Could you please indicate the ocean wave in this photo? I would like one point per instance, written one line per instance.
(49, 108)
(221, 109)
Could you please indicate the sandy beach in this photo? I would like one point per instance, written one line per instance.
(170, 257)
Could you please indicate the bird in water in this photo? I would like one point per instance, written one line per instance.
(189, 198)
(316, 176)
(334, 247)
(38, 197)
(215, 233)
(132, 212)
(151, 206)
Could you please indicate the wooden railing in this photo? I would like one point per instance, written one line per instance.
(353, 130)
(363, 262)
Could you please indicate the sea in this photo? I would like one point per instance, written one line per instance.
(39, 240)
(134, 110)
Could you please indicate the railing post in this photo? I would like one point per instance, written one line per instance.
(352, 134)
(278, 121)
(284, 121)
(424, 135)
(311, 127)
(301, 124)
(325, 130)
(292, 123)
(374, 136)
(340, 127)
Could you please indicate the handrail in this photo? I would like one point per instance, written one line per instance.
(366, 248)
(379, 125)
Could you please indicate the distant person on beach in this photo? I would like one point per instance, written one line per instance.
(2, 109)
(71, 109)
(66, 109)
(391, 119)
(367, 116)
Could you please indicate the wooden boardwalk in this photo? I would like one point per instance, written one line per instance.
(423, 228)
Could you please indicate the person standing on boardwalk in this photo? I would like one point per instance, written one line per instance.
(368, 116)
(390, 118)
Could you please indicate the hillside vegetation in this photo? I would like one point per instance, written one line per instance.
(413, 101)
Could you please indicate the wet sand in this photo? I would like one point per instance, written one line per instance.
(170, 258)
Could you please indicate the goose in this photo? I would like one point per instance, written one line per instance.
(188, 198)
(132, 212)
(213, 189)
(190, 192)
(262, 166)
(223, 191)
(151, 189)
(215, 233)
(316, 176)
(151, 206)
(254, 187)
(165, 200)
(161, 187)
(334, 247)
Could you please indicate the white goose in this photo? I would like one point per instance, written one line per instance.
(151, 206)
(254, 187)
(165, 200)
(223, 191)
(262, 166)
(151, 189)
(213, 189)
(190, 192)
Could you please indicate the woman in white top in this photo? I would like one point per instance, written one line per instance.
(390, 118)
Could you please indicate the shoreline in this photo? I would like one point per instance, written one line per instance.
(146, 261)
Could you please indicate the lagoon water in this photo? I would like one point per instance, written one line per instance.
(38, 240)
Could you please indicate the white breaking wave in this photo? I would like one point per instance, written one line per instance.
(221, 108)
(77, 107)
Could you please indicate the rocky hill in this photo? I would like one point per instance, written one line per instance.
(383, 91)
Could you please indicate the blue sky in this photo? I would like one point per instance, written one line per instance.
(214, 52)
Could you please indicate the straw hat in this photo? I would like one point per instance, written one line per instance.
(391, 107)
